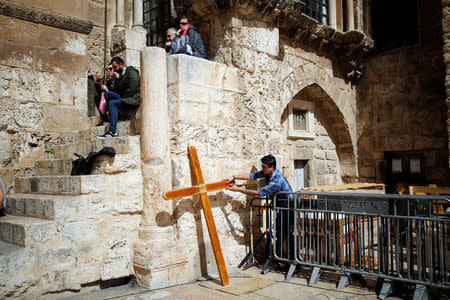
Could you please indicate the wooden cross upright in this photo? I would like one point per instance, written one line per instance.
(202, 189)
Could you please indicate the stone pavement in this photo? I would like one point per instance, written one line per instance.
(275, 288)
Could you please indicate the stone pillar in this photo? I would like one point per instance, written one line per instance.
(138, 16)
(158, 259)
(350, 21)
(120, 13)
(339, 15)
(332, 14)
(155, 152)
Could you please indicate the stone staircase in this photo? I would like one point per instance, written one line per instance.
(64, 232)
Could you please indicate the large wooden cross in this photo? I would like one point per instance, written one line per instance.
(202, 189)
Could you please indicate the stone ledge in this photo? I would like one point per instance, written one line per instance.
(38, 15)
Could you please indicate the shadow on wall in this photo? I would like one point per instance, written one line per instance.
(331, 118)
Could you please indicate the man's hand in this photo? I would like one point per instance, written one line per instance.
(116, 75)
(234, 189)
(230, 179)
(104, 88)
(96, 78)
(168, 46)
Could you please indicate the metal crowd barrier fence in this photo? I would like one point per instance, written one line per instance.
(260, 235)
(392, 237)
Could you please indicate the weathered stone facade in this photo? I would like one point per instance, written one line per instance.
(401, 105)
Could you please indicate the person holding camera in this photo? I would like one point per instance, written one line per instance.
(126, 94)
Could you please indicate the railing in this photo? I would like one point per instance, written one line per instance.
(392, 237)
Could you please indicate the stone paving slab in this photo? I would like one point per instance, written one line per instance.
(296, 289)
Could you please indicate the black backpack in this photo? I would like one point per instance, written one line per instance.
(83, 165)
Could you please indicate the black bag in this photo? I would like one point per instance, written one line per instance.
(83, 165)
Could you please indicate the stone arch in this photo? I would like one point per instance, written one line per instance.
(337, 103)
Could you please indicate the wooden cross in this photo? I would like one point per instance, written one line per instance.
(202, 189)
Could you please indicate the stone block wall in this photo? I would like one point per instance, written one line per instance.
(82, 232)
(43, 80)
(401, 105)
(234, 111)
(446, 48)
(274, 72)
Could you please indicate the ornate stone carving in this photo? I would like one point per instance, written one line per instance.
(350, 48)
(38, 15)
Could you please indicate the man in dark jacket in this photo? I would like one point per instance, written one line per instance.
(195, 40)
(126, 94)
(98, 86)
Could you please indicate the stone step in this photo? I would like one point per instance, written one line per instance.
(59, 185)
(62, 166)
(26, 231)
(124, 128)
(120, 145)
(51, 207)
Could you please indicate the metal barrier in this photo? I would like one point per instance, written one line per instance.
(260, 235)
(392, 237)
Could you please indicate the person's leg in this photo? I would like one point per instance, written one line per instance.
(111, 96)
(114, 114)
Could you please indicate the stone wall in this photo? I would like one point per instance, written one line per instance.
(234, 111)
(81, 232)
(43, 79)
(275, 71)
(401, 104)
(446, 48)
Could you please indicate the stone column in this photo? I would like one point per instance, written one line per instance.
(155, 152)
(332, 14)
(158, 260)
(350, 22)
(138, 16)
(339, 15)
(120, 13)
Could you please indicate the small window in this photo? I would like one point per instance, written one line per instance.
(301, 119)
(317, 9)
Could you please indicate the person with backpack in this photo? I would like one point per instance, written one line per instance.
(195, 40)
(177, 44)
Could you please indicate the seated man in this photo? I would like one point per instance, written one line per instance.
(177, 44)
(98, 87)
(171, 34)
(195, 40)
(126, 94)
(275, 182)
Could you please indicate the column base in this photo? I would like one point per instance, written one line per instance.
(159, 261)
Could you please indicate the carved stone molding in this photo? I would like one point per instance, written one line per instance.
(38, 15)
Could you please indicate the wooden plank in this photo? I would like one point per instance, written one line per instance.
(189, 191)
(428, 190)
(198, 177)
(341, 187)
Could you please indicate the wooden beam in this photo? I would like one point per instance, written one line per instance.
(198, 177)
(197, 189)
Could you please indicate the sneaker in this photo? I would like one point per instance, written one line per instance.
(109, 134)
